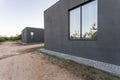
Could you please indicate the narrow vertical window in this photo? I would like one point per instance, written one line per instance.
(75, 23)
(32, 35)
(89, 20)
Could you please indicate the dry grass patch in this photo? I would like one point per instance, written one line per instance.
(80, 70)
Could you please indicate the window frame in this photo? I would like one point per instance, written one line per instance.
(80, 23)
(81, 39)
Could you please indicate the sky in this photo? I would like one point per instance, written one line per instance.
(15, 15)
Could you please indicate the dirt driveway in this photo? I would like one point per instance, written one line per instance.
(17, 63)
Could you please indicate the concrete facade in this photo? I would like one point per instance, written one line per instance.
(36, 37)
(107, 46)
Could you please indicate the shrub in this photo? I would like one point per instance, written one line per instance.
(12, 38)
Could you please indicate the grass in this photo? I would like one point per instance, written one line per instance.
(80, 70)
(36, 48)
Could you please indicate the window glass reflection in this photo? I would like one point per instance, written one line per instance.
(89, 20)
(75, 23)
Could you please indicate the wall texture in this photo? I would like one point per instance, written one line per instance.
(24, 36)
(38, 35)
(105, 49)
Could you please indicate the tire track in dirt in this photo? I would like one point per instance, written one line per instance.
(17, 62)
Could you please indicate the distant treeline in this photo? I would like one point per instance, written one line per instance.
(12, 38)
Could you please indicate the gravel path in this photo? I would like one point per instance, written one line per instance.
(16, 63)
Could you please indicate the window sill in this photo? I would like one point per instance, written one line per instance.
(83, 39)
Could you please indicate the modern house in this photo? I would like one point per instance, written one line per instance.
(32, 35)
(86, 31)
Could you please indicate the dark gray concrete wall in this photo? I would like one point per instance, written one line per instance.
(38, 35)
(24, 36)
(105, 49)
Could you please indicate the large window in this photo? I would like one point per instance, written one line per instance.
(83, 21)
